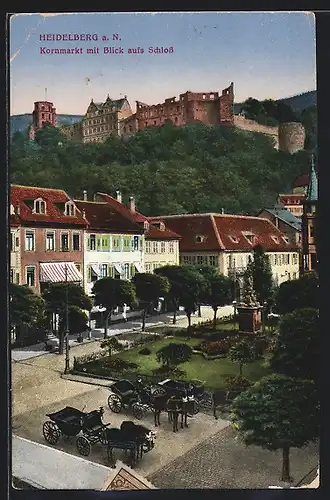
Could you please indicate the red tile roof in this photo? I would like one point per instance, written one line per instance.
(20, 196)
(100, 215)
(153, 232)
(302, 181)
(226, 232)
(291, 199)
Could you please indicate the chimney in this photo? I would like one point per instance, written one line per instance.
(118, 196)
(84, 214)
(132, 204)
(85, 195)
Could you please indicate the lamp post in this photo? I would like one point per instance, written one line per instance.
(67, 357)
(264, 306)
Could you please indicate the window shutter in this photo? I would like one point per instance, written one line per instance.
(132, 271)
(89, 273)
(110, 271)
(88, 242)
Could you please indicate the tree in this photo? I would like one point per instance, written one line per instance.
(55, 300)
(174, 354)
(111, 344)
(192, 285)
(49, 136)
(78, 320)
(298, 294)
(278, 412)
(149, 287)
(242, 352)
(174, 276)
(208, 273)
(262, 275)
(297, 351)
(218, 294)
(27, 309)
(111, 293)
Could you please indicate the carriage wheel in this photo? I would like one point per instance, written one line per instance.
(115, 403)
(51, 432)
(159, 391)
(137, 411)
(196, 408)
(83, 446)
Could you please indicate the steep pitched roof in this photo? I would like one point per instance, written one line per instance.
(312, 190)
(215, 232)
(286, 216)
(153, 232)
(100, 215)
(301, 181)
(55, 199)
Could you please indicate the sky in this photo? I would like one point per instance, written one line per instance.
(266, 55)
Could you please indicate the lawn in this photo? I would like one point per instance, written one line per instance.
(213, 372)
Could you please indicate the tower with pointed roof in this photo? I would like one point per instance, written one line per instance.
(309, 219)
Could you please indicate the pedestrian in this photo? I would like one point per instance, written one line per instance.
(124, 312)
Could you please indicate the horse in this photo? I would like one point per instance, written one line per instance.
(174, 406)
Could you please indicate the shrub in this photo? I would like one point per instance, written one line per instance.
(145, 351)
(119, 365)
(87, 358)
(236, 385)
(169, 371)
(215, 348)
(260, 345)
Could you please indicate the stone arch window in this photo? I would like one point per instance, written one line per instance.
(39, 206)
(69, 209)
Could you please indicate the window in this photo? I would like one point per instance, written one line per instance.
(76, 241)
(249, 237)
(69, 209)
(92, 242)
(126, 271)
(162, 247)
(148, 268)
(30, 275)
(212, 260)
(294, 276)
(40, 207)
(64, 242)
(148, 246)
(199, 238)
(136, 243)
(234, 239)
(103, 270)
(154, 246)
(12, 274)
(50, 241)
(171, 246)
(200, 259)
(289, 276)
(11, 242)
(311, 231)
(78, 266)
(17, 241)
(274, 238)
(185, 259)
(29, 241)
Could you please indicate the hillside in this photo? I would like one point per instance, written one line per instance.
(298, 103)
(167, 169)
(20, 123)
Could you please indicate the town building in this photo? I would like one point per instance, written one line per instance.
(113, 243)
(285, 221)
(208, 107)
(226, 242)
(301, 184)
(101, 120)
(292, 202)
(47, 241)
(309, 224)
(161, 244)
(43, 112)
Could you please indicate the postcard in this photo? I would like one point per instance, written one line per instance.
(163, 250)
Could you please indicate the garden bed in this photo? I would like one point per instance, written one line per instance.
(214, 372)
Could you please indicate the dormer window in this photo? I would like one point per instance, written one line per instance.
(159, 225)
(250, 237)
(12, 209)
(199, 238)
(69, 209)
(234, 239)
(286, 239)
(275, 239)
(39, 207)
(146, 225)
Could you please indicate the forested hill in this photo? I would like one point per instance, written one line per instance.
(20, 123)
(300, 102)
(168, 169)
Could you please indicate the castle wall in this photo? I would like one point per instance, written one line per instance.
(252, 126)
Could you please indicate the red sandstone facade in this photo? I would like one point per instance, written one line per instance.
(44, 112)
(210, 108)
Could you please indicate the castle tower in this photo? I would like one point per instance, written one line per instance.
(309, 223)
(44, 112)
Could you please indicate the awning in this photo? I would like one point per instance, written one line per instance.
(139, 267)
(59, 272)
(119, 268)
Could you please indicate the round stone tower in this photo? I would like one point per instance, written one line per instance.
(291, 137)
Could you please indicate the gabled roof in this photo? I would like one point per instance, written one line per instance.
(100, 215)
(55, 199)
(216, 232)
(301, 181)
(286, 216)
(153, 232)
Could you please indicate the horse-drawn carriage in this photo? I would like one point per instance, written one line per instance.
(125, 394)
(88, 428)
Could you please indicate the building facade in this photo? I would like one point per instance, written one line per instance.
(226, 242)
(309, 225)
(43, 112)
(113, 243)
(102, 120)
(161, 244)
(49, 238)
(292, 202)
(286, 222)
